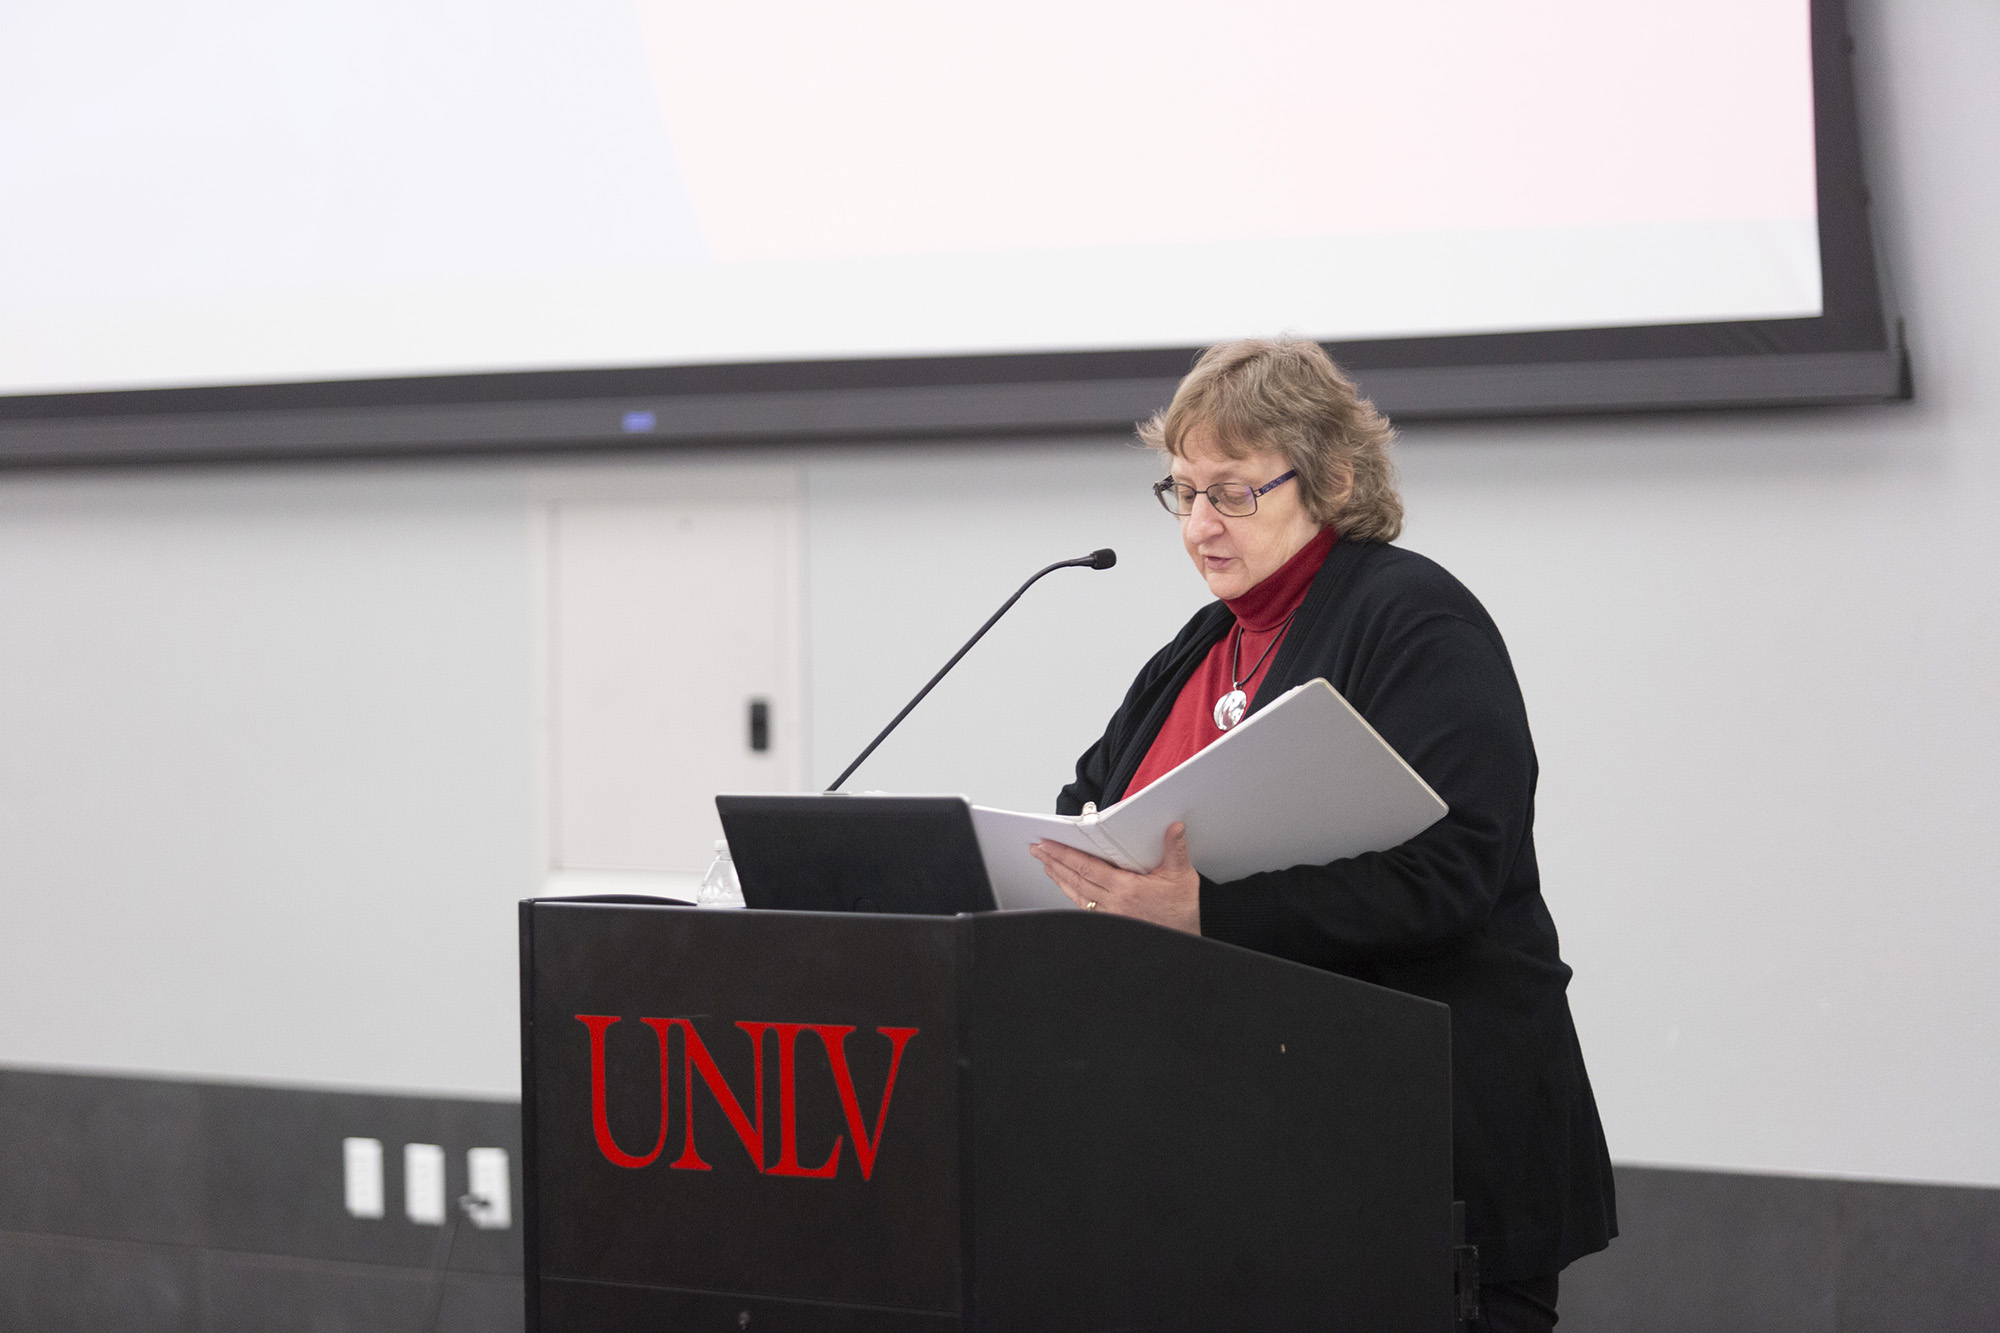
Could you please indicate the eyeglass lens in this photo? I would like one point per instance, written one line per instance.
(1232, 499)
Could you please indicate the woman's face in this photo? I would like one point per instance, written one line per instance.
(1234, 555)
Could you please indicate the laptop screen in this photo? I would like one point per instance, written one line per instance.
(842, 853)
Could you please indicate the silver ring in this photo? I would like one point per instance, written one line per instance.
(1090, 904)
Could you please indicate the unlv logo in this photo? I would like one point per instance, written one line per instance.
(749, 1127)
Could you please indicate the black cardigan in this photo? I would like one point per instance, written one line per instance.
(1455, 914)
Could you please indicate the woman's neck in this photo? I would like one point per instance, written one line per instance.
(1265, 606)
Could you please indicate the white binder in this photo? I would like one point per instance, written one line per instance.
(1303, 781)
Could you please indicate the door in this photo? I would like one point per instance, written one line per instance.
(672, 673)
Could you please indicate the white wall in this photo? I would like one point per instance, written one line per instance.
(267, 776)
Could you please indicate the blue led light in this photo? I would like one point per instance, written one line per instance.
(639, 421)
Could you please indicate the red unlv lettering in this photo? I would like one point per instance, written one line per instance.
(599, 1120)
(749, 1126)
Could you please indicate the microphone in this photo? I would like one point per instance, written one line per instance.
(1102, 558)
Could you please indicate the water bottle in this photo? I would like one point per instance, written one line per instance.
(719, 887)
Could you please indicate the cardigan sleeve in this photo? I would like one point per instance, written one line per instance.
(1093, 770)
(1098, 766)
(1094, 766)
(1442, 693)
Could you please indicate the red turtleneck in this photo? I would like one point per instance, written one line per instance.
(1261, 614)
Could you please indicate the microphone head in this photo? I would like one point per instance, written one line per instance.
(1103, 558)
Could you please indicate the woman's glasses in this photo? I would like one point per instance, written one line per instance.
(1232, 499)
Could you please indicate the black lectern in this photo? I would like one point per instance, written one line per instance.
(1012, 1121)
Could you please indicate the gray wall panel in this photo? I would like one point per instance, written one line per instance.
(255, 1237)
(62, 1284)
(1711, 1251)
(1918, 1257)
(259, 1294)
(111, 1158)
(1714, 1252)
(147, 1204)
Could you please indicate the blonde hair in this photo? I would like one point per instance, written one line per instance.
(1286, 395)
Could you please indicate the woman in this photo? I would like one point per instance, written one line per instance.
(1280, 476)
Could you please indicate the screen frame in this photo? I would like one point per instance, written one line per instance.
(1853, 352)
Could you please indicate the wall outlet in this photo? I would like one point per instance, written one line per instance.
(362, 1163)
(486, 1169)
(423, 1184)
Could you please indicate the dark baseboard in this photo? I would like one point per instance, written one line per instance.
(188, 1207)
(1717, 1251)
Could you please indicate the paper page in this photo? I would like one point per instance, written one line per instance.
(1017, 877)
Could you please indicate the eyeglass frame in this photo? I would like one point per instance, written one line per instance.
(1160, 489)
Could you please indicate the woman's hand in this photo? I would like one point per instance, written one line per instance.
(1167, 895)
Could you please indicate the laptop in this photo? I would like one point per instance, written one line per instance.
(840, 853)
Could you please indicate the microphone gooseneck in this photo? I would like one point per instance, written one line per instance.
(1102, 558)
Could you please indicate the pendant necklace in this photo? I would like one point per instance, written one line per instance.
(1230, 707)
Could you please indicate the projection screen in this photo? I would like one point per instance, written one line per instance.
(236, 229)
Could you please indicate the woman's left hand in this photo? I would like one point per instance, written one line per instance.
(1167, 895)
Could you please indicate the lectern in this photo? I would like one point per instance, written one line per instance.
(1029, 1121)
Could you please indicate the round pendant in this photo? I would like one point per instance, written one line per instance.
(1229, 710)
